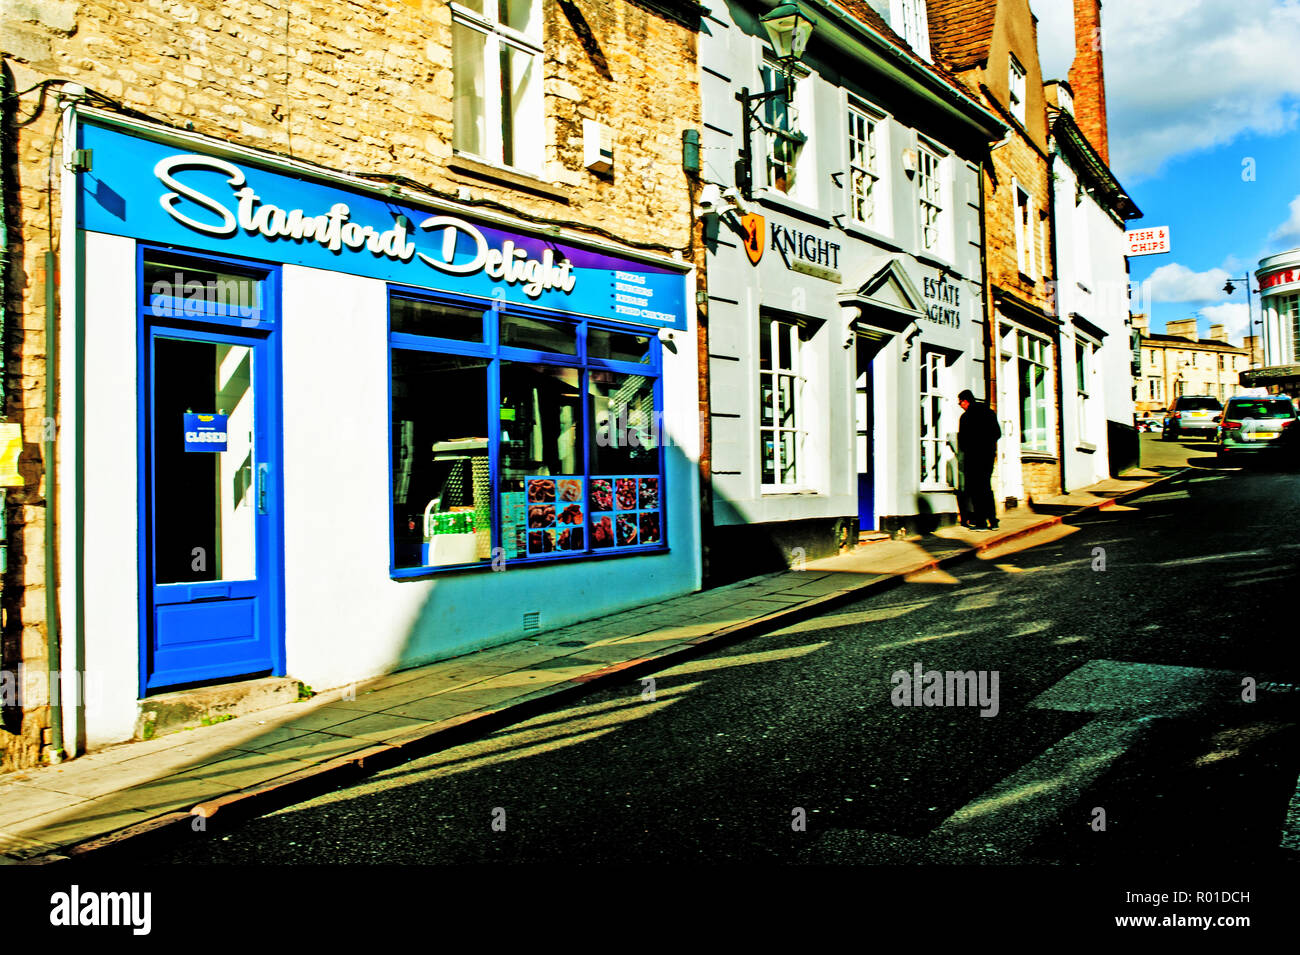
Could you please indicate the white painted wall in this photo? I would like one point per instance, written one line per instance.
(112, 592)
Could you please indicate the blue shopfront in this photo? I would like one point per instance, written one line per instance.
(372, 427)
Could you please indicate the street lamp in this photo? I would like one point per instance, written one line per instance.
(1229, 287)
(788, 27)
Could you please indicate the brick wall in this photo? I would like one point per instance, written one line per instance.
(1087, 76)
(1042, 479)
(356, 85)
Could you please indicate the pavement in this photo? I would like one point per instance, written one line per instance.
(131, 794)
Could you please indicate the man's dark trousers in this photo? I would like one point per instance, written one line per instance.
(977, 482)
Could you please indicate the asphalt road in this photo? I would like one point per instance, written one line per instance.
(1120, 736)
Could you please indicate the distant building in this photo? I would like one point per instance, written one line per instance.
(1178, 363)
(1279, 291)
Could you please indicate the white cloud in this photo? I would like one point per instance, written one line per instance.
(1289, 230)
(1178, 283)
(1185, 75)
(1232, 315)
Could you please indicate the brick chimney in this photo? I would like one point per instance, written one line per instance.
(1087, 78)
(1183, 327)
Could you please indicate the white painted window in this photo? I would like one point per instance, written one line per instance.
(911, 21)
(779, 386)
(867, 193)
(1024, 213)
(1034, 356)
(783, 140)
(1016, 88)
(930, 190)
(935, 418)
(497, 71)
(1083, 372)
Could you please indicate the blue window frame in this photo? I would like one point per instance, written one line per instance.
(519, 435)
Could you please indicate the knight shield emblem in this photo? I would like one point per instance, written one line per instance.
(755, 230)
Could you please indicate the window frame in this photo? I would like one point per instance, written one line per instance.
(1035, 351)
(1085, 358)
(800, 186)
(1024, 231)
(1017, 86)
(495, 353)
(934, 364)
(875, 145)
(497, 35)
(936, 176)
(795, 375)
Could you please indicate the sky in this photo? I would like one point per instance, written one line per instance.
(1203, 98)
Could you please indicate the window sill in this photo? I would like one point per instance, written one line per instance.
(1028, 279)
(769, 490)
(1030, 454)
(479, 169)
(779, 200)
(937, 489)
(938, 261)
(425, 573)
(860, 231)
(1086, 448)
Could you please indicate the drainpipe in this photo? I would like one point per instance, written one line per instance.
(1056, 304)
(54, 649)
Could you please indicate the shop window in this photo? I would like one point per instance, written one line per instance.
(929, 169)
(936, 414)
(497, 70)
(543, 445)
(1035, 424)
(441, 484)
(864, 135)
(436, 319)
(780, 385)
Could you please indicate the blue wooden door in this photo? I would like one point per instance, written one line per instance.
(862, 414)
(211, 478)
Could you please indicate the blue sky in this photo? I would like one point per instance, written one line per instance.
(1203, 99)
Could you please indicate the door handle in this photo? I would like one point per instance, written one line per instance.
(262, 471)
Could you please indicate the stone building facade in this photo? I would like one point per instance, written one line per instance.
(1179, 362)
(393, 103)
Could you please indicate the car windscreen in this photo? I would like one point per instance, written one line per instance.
(1240, 410)
(1198, 404)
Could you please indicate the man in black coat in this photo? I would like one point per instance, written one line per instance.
(977, 441)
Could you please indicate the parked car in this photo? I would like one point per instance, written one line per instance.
(1192, 414)
(1254, 425)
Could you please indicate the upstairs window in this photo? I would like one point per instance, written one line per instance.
(1024, 233)
(929, 184)
(1016, 89)
(497, 69)
(783, 141)
(910, 21)
(865, 190)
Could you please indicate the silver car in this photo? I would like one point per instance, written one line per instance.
(1192, 415)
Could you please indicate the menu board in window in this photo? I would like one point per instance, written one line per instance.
(625, 512)
(556, 515)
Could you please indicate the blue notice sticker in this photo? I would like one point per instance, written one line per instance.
(205, 432)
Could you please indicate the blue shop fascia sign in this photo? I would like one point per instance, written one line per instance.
(157, 192)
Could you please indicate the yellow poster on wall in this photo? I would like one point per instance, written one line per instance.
(11, 448)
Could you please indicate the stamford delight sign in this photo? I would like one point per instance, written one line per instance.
(206, 202)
